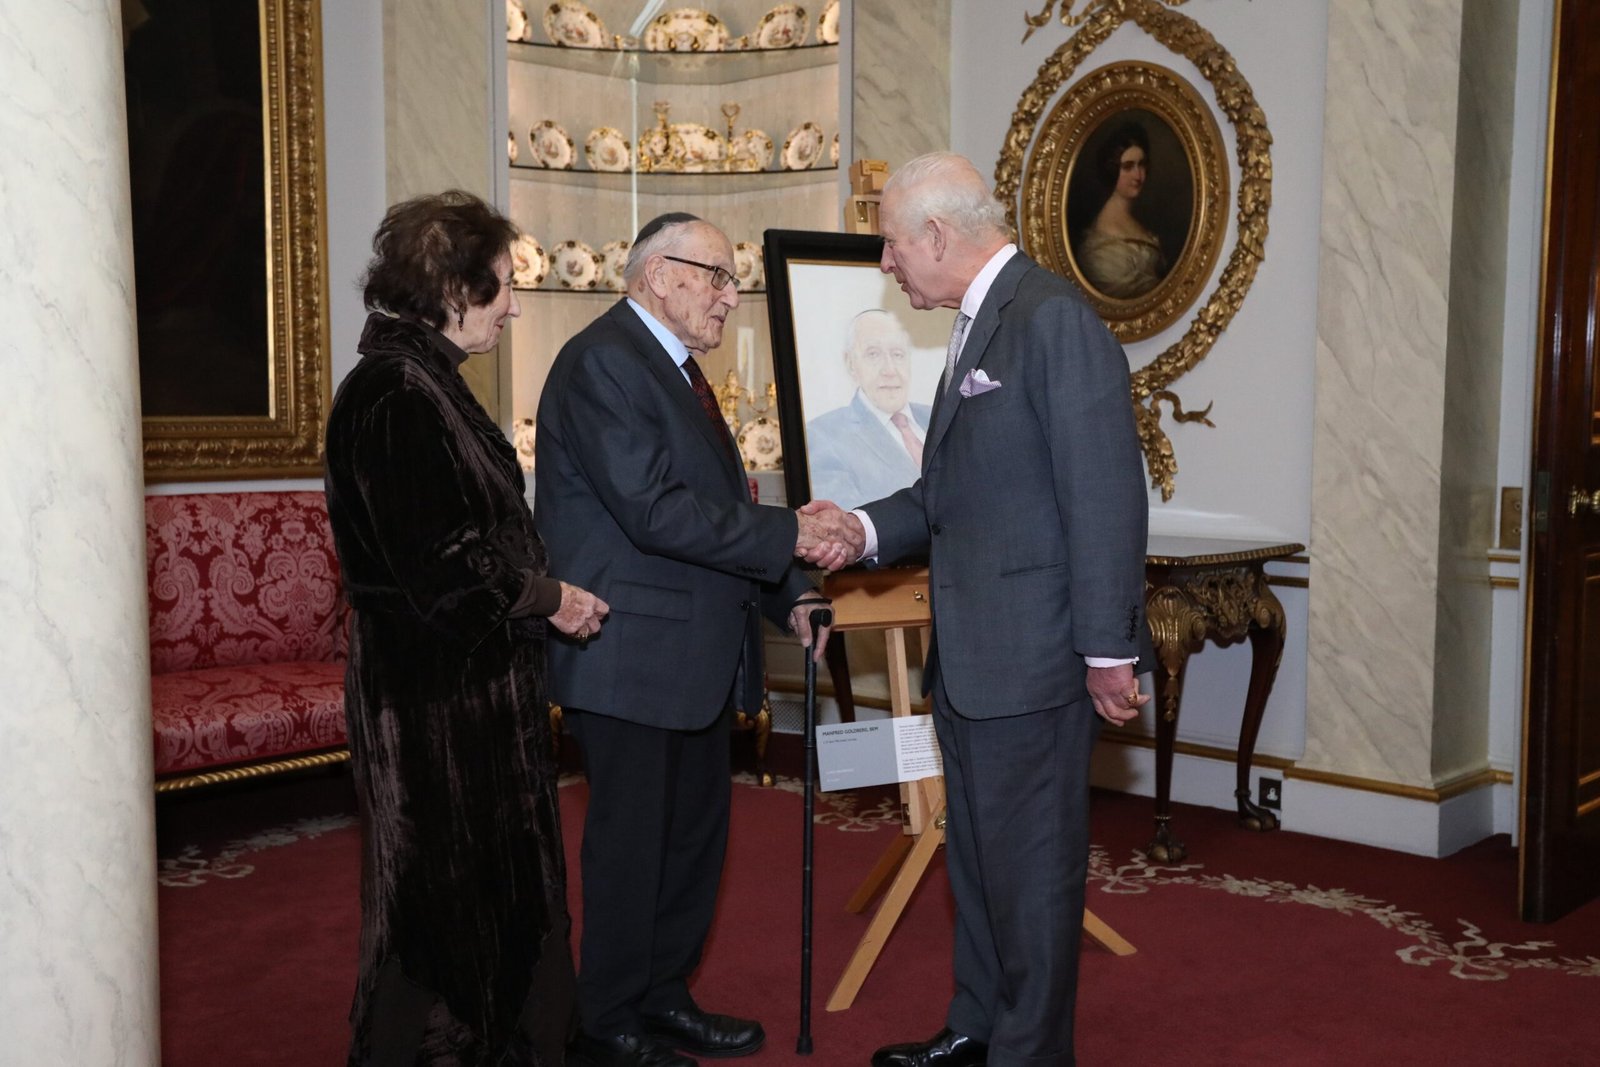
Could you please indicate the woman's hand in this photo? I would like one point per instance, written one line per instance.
(580, 614)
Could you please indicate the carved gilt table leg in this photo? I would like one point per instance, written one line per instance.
(1177, 628)
(1267, 627)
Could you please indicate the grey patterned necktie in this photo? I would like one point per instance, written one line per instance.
(958, 333)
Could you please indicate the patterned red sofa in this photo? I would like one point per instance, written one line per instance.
(247, 636)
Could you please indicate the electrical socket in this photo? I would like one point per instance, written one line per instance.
(1269, 793)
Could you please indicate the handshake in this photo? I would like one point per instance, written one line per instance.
(829, 537)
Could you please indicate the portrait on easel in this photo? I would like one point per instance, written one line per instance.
(856, 367)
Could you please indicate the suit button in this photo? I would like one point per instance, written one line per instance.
(937, 529)
(744, 605)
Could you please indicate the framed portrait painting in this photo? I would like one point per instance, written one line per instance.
(225, 154)
(856, 367)
(1124, 194)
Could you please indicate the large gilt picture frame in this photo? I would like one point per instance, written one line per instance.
(230, 238)
(1126, 188)
(1032, 142)
(849, 353)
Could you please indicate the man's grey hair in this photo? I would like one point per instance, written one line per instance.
(659, 236)
(947, 187)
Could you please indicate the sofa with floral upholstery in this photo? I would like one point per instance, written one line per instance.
(247, 636)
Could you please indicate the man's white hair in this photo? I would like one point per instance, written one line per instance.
(659, 236)
(946, 186)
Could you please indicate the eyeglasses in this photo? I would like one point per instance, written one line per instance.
(720, 276)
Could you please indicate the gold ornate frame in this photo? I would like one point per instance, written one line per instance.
(1057, 154)
(1183, 36)
(286, 442)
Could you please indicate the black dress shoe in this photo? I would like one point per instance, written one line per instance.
(623, 1050)
(946, 1049)
(704, 1033)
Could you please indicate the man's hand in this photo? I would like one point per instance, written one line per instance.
(829, 537)
(800, 623)
(1115, 694)
(580, 614)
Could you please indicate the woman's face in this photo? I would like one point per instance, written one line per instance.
(480, 327)
(1130, 173)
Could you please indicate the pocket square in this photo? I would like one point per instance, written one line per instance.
(976, 383)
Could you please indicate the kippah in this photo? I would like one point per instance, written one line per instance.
(660, 222)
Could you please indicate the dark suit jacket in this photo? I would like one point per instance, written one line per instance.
(639, 502)
(1031, 505)
(854, 458)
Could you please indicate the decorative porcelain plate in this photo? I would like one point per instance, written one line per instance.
(802, 148)
(570, 23)
(702, 146)
(761, 445)
(782, 27)
(833, 152)
(576, 265)
(613, 257)
(523, 433)
(747, 267)
(606, 149)
(517, 26)
(828, 23)
(750, 150)
(511, 145)
(686, 29)
(552, 147)
(529, 264)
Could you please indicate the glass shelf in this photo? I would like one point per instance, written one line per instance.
(710, 182)
(676, 68)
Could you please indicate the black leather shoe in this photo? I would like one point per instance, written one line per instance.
(704, 1033)
(946, 1049)
(623, 1050)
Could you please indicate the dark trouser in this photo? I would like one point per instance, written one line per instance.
(653, 845)
(1017, 850)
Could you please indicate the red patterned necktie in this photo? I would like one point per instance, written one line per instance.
(908, 437)
(708, 404)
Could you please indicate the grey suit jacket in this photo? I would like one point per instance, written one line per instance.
(853, 458)
(1031, 506)
(639, 502)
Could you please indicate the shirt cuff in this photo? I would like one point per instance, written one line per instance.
(1102, 661)
(870, 551)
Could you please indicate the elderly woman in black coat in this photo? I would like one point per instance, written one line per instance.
(464, 925)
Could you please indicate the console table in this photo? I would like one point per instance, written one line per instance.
(1200, 589)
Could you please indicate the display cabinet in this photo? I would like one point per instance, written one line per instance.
(581, 179)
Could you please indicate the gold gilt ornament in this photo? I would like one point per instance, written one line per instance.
(1095, 22)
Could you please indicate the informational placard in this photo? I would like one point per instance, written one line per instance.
(855, 754)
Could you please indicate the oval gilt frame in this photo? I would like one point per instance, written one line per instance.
(1058, 158)
(1151, 384)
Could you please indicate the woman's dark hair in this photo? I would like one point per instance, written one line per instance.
(1108, 162)
(432, 250)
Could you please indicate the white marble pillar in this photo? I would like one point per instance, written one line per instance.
(1416, 151)
(78, 980)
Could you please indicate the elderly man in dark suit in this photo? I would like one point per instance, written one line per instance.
(1031, 509)
(873, 445)
(640, 493)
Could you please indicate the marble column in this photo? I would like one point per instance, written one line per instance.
(901, 80)
(77, 885)
(438, 94)
(1416, 149)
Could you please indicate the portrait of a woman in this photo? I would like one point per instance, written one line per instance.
(1118, 254)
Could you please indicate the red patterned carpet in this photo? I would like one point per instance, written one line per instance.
(1263, 949)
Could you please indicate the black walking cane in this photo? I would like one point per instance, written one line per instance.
(821, 618)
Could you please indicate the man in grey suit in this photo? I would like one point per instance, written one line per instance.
(1031, 509)
(641, 493)
(872, 446)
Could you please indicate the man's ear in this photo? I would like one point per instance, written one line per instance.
(652, 276)
(937, 235)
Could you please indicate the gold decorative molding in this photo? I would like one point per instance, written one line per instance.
(254, 770)
(1465, 783)
(286, 442)
(1189, 748)
(1234, 97)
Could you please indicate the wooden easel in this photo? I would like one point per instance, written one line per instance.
(895, 601)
